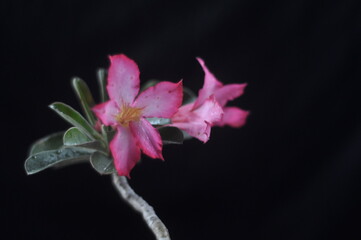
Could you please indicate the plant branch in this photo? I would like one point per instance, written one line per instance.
(139, 204)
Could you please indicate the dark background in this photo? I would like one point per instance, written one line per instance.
(293, 172)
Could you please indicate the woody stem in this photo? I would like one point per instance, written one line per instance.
(139, 204)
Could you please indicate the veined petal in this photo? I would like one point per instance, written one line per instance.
(210, 111)
(198, 122)
(123, 79)
(161, 100)
(233, 116)
(147, 137)
(197, 129)
(211, 84)
(106, 112)
(184, 113)
(229, 92)
(125, 151)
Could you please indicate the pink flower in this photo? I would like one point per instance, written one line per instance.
(210, 109)
(126, 112)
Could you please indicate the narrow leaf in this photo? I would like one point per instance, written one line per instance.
(171, 135)
(50, 142)
(159, 121)
(44, 160)
(102, 81)
(73, 136)
(85, 98)
(102, 163)
(76, 119)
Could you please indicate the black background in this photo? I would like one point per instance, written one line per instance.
(293, 172)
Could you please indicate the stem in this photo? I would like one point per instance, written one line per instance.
(139, 204)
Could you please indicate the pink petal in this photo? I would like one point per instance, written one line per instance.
(148, 138)
(123, 79)
(229, 92)
(210, 111)
(125, 151)
(197, 129)
(162, 100)
(211, 84)
(106, 112)
(233, 117)
(183, 113)
(197, 123)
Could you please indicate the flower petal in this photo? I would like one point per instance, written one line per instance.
(211, 84)
(123, 79)
(148, 138)
(161, 100)
(125, 151)
(233, 116)
(106, 112)
(197, 129)
(229, 92)
(210, 111)
(198, 122)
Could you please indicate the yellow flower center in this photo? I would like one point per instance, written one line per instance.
(128, 114)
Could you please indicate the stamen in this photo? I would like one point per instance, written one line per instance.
(128, 114)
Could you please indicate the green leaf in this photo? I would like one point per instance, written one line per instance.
(76, 138)
(44, 160)
(102, 81)
(85, 98)
(159, 121)
(94, 145)
(171, 135)
(102, 163)
(107, 132)
(148, 84)
(188, 96)
(76, 119)
(50, 142)
(73, 136)
(186, 136)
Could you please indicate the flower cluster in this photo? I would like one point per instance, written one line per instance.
(126, 111)
(131, 120)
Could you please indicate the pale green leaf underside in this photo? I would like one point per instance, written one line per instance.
(102, 163)
(159, 121)
(50, 142)
(44, 160)
(73, 136)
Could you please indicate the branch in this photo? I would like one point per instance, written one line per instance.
(139, 204)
